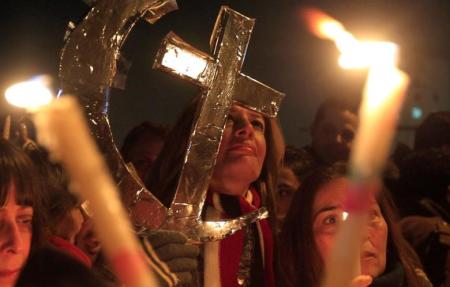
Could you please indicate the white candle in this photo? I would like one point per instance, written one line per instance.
(62, 129)
(379, 112)
(383, 93)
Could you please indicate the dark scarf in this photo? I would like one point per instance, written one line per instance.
(395, 277)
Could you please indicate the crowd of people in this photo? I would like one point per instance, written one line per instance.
(48, 239)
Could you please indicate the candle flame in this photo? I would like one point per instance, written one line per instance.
(322, 25)
(354, 53)
(30, 94)
(380, 57)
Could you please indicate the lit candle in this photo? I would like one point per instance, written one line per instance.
(62, 129)
(383, 93)
(379, 111)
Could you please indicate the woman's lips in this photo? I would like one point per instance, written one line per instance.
(368, 255)
(6, 273)
(244, 148)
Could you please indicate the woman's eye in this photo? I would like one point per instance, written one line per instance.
(330, 220)
(26, 221)
(230, 120)
(258, 124)
(348, 135)
(328, 224)
(284, 192)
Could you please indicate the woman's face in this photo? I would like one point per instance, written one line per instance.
(87, 240)
(328, 214)
(70, 225)
(288, 184)
(15, 238)
(242, 151)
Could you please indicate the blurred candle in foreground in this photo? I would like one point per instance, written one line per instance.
(378, 115)
(62, 129)
(383, 93)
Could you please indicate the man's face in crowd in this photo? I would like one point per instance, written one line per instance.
(332, 136)
(144, 154)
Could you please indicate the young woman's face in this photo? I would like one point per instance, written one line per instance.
(328, 213)
(243, 148)
(15, 237)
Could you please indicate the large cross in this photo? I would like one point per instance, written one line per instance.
(87, 68)
(219, 75)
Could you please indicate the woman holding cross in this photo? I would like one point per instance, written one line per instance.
(243, 179)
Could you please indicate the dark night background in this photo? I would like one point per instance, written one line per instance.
(281, 54)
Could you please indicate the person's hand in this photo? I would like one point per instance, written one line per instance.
(169, 254)
(362, 281)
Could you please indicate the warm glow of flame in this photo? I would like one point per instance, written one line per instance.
(183, 62)
(321, 24)
(354, 53)
(344, 215)
(381, 83)
(31, 94)
(368, 54)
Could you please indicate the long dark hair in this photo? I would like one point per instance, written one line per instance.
(17, 169)
(301, 263)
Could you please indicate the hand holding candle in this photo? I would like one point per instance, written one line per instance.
(382, 99)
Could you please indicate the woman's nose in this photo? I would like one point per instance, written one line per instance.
(244, 129)
(368, 231)
(11, 237)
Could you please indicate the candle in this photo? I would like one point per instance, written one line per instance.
(383, 95)
(63, 131)
(7, 128)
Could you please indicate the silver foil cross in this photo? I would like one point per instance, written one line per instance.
(220, 77)
(87, 69)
